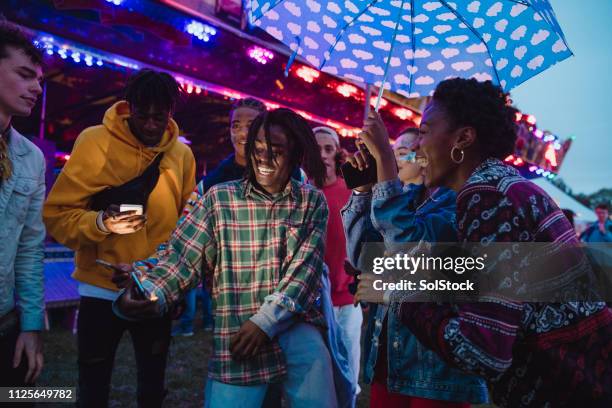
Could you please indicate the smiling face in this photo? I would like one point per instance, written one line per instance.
(20, 86)
(436, 140)
(408, 172)
(240, 121)
(272, 173)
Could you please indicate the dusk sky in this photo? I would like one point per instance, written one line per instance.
(573, 98)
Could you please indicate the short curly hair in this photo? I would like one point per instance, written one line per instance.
(483, 106)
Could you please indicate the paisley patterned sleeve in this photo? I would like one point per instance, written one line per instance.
(476, 337)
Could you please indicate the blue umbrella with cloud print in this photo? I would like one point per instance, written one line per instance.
(411, 45)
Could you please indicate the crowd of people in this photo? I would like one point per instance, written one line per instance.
(269, 239)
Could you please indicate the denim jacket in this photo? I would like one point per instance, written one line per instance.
(388, 214)
(22, 234)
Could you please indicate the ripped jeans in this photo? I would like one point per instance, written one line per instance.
(99, 333)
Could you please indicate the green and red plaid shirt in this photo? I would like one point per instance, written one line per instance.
(251, 246)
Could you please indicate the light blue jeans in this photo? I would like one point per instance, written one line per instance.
(309, 382)
(186, 321)
(349, 319)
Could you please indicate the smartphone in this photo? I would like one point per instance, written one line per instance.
(131, 207)
(107, 264)
(140, 290)
(353, 177)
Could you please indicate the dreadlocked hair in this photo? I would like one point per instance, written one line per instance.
(303, 150)
(483, 106)
(250, 103)
(153, 88)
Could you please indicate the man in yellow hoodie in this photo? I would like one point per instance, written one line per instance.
(134, 135)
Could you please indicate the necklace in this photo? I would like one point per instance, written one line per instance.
(429, 198)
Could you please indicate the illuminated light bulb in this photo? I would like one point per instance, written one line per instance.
(403, 113)
(374, 100)
(550, 155)
(308, 74)
(261, 55)
(531, 119)
(346, 90)
(518, 116)
(200, 30)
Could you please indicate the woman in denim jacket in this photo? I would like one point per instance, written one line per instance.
(400, 369)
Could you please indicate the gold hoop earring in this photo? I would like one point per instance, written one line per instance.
(452, 155)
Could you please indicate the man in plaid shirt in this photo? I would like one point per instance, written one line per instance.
(259, 243)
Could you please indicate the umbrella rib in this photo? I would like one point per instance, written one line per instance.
(473, 30)
(332, 48)
(413, 44)
(397, 24)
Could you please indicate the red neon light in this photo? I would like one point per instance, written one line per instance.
(272, 106)
(383, 102)
(403, 113)
(233, 95)
(333, 124)
(308, 74)
(304, 114)
(509, 158)
(346, 90)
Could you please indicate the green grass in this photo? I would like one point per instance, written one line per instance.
(185, 374)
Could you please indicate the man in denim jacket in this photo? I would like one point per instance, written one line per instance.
(22, 191)
(400, 369)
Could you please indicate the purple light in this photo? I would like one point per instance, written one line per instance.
(261, 55)
(115, 2)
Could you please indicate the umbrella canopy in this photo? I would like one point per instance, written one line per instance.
(411, 45)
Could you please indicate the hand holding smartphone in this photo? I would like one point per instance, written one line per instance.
(354, 177)
(131, 207)
(140, 291)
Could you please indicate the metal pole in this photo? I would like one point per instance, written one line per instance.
(43, 112)
(368, 94)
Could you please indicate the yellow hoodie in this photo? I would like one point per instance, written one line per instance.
(109, 155)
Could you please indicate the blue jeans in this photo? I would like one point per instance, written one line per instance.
(186, 321)
(349, 319)
(309, 382)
